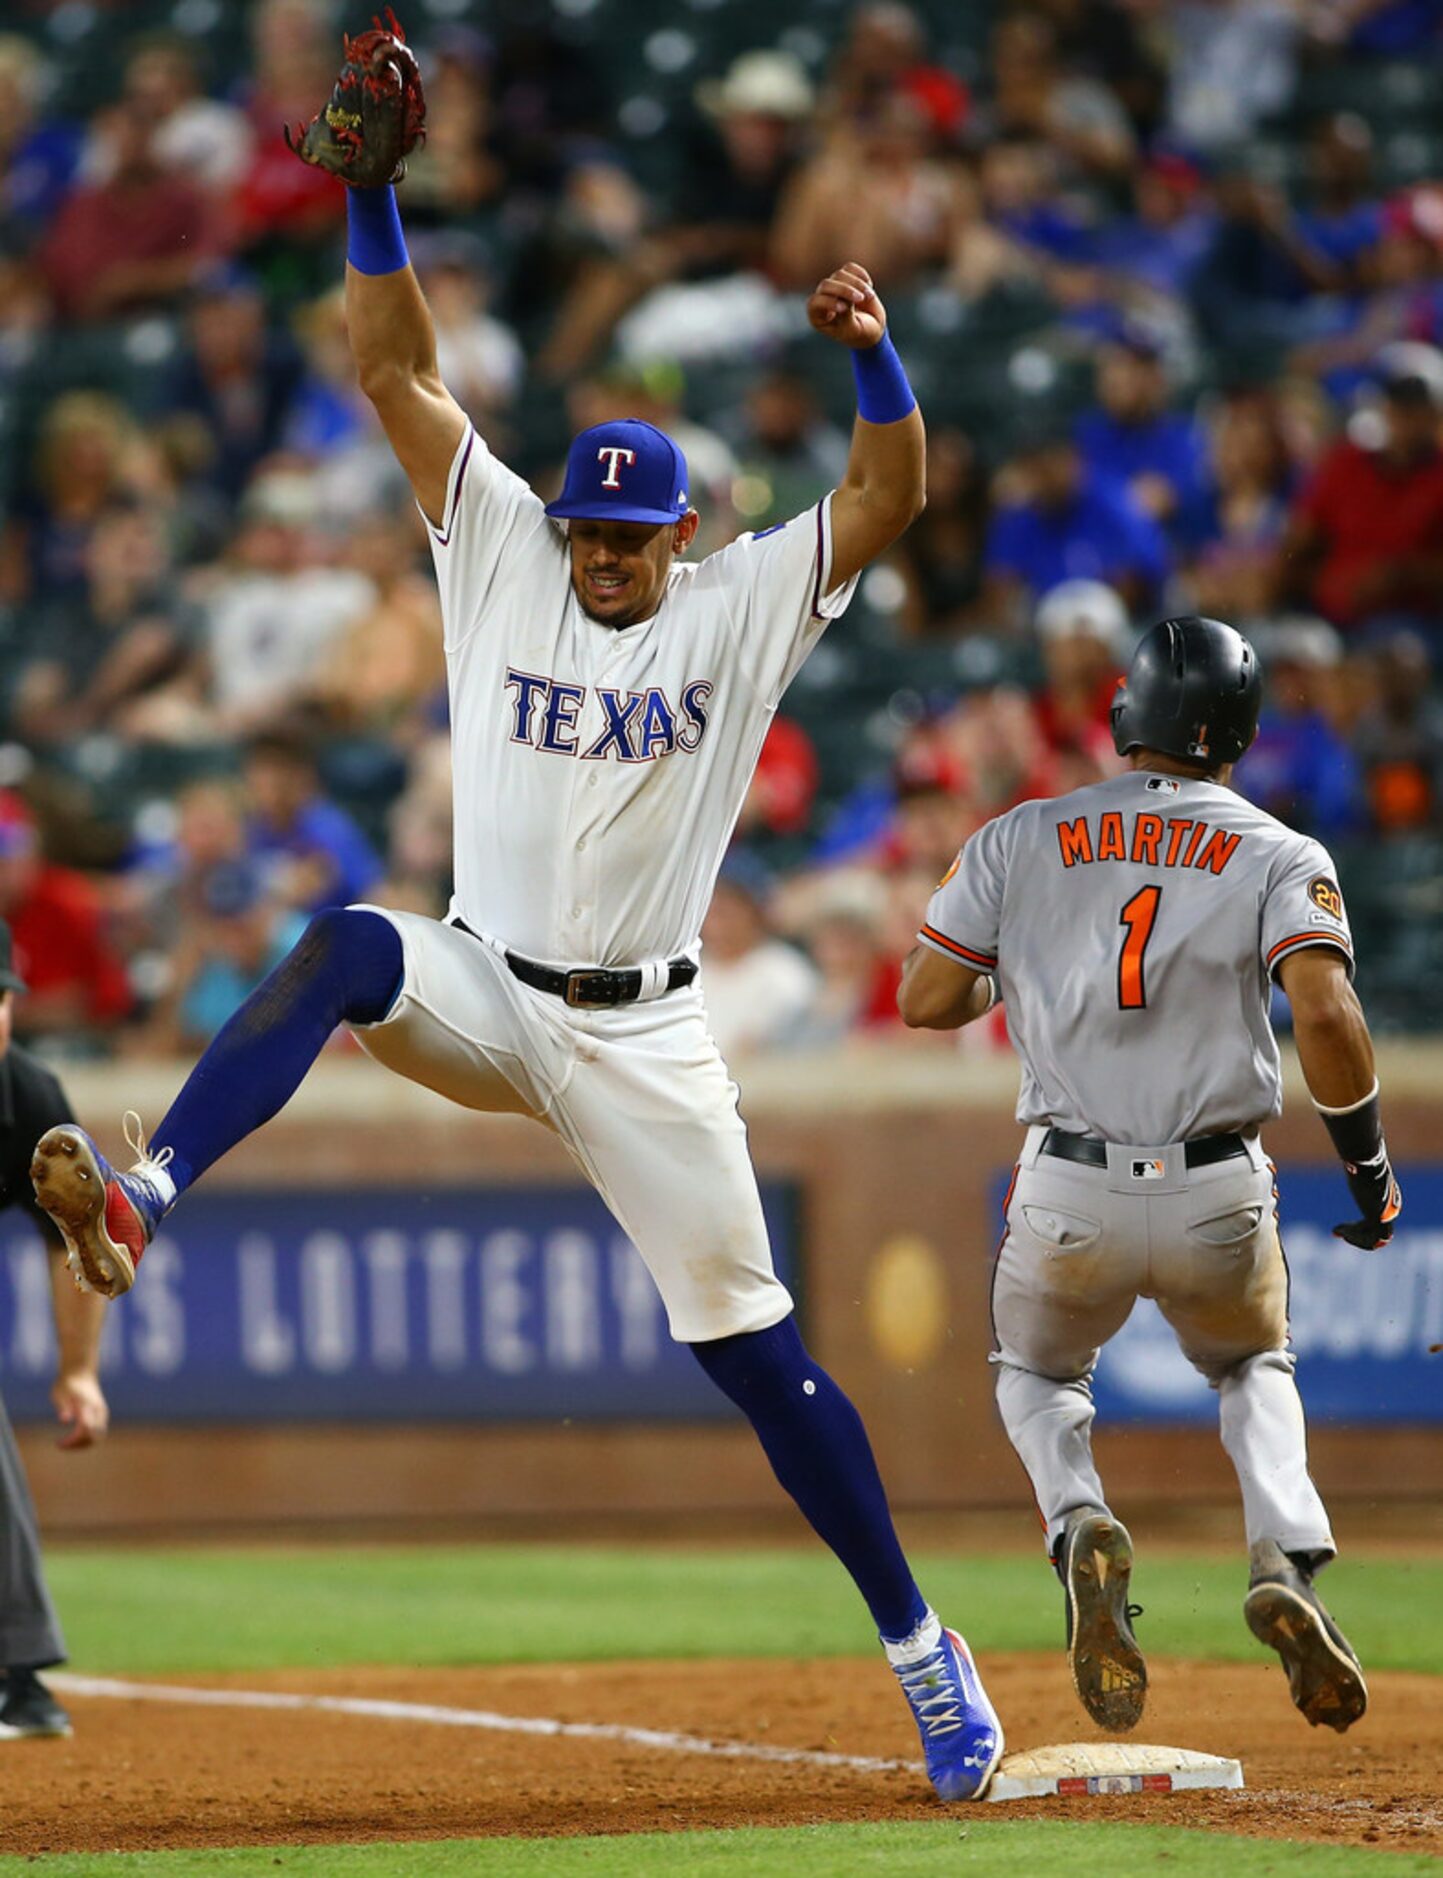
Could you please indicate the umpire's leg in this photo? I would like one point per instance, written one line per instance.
(1064, 1282)
(29, 1629)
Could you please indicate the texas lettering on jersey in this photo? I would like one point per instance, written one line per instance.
(1154, 840)
(635, 726)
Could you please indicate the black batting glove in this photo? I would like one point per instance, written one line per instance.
(1379, 1199)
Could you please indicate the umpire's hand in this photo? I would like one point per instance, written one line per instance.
(81, 1408)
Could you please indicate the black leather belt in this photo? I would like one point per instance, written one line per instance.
(1091, 1152)
(588, 987)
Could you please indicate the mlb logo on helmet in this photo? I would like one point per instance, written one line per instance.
(627, 471)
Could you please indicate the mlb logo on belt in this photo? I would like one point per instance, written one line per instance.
(1148, 1170)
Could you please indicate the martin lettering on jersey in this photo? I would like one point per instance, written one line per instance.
(1154, 840)
(627, 726)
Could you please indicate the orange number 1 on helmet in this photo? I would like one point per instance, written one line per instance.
(1138, 916)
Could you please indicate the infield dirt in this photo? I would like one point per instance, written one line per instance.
(152, 1775)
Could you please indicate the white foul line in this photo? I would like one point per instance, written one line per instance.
(425, 1712)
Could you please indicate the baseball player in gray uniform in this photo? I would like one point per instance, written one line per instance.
(1134, 929)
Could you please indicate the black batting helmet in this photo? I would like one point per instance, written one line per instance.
(1193, 690)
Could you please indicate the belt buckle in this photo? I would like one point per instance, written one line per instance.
(590, 989)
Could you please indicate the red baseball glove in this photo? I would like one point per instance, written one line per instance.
(376, 115)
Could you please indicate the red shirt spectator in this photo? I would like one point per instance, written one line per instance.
(1371, 521)
(132, 241)
(56, 918)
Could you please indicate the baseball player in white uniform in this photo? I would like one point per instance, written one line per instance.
(608, 703)
(1134, 929)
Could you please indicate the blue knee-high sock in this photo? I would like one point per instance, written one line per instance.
(346, 967)
(819, 1451)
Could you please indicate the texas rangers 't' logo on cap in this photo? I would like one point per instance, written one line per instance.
(628, 471)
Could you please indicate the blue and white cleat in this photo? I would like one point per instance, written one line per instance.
(961, 1735)
(107, 1218)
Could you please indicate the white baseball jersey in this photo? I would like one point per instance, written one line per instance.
(598, 772)
(1134, 926)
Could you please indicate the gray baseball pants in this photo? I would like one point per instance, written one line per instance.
(29, 1628)
(1081, 1245)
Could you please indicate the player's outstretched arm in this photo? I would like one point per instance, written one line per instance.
(1336, 1053)
(884, 489)
(393, 342)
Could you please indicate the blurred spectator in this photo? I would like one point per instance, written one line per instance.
(1059, 521)
(479, 355)
(1406, 272)
(387, 671)
(134, 241)
(1134, 439)
(1366, 539)
(281, 201)
(308, 851)
(231, 937)
(333, 424)
(1233, 62)
(79, 470)
(276, 612)
(1384, 28)
(100, 655)
(788, 454)
(1398, 739)
(1034, 95)
(758, 988)
(1085, 638)
(78, 987)
(722, 225)
(1301, 768)
(880, 196)
(885, 52)
(192, 135)
(1158, 245)
(784, 786)
(855, 991)
(235, 373)
(1343, 220)
(940, 556)
(39, 155)
(456, 171)
(419, 834)
(1231, 574)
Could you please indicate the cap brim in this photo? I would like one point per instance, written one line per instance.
(588, 512)
(10, 982)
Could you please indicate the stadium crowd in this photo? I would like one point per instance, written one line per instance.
(1169, 278)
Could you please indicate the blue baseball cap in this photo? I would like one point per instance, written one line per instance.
(628, 471)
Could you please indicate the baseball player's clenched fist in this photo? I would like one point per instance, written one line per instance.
(845, 307)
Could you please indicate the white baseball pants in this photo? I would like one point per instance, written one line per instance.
(1081, 1245)
(638, 1093)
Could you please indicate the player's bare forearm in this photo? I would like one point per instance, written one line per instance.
(1331, 1033)
(393, 342)
(885, 487)
(937, 993)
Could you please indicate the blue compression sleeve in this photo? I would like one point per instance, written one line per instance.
(347, 967)
(883, 394)
(374, 241)
(820, 1453)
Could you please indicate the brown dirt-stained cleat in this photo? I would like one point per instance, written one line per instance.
(1283, 1611)
(1107, 1666)
(107, 1219)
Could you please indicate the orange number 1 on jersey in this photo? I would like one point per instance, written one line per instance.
(1138, 916)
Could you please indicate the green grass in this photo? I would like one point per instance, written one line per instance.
(999, 1848)
(216, 1608)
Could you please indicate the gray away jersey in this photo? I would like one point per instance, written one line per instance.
(1134, 927)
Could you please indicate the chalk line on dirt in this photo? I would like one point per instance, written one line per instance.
(428, 1714)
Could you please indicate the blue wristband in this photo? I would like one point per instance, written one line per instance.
(883, 394)
(374, 241)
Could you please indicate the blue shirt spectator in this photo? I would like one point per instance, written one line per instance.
(307, 848)
(1132, 439)
(1072, 525)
